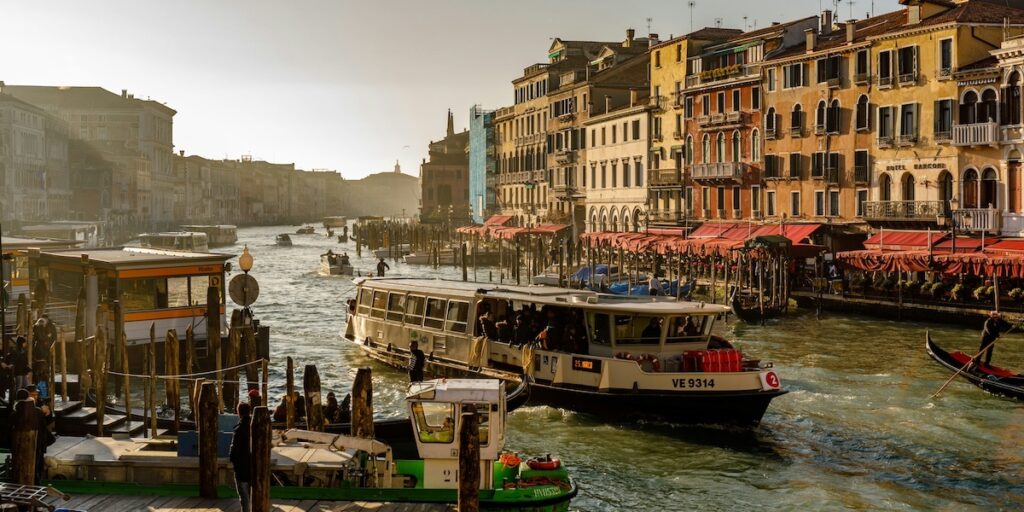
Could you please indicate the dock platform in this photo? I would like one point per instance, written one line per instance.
(114, 503)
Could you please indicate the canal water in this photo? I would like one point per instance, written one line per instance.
(857, 431)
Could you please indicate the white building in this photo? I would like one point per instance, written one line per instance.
(615, 175)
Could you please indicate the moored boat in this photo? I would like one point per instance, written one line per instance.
(305, 230)
(188, 241)
(747, 308)
(283, 240)
(220, 235)
(332, 264)
(396, 251)
(622, 357)
(993, 379)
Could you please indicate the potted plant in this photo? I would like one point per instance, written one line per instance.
(956, 294)
(1016, 294)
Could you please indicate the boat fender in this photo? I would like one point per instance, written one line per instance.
(624, 355)
(653, 359)
(544, 465)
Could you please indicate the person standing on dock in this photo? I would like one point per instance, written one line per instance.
(240, 455)
(381, 267)
(994, 327)
(416, 362)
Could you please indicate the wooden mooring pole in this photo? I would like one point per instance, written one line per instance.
(23, 443)
(469, 461)
(362, 404)
(259, 438)
(206, 422)
(314, 407)
(289, 390)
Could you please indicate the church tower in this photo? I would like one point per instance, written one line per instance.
(398, 168)
(451, 123)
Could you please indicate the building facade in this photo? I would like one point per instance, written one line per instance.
(444, 179)
(617, 153)
(482, 150)
(35, 181)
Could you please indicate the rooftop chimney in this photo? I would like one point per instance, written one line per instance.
(809, 33)
(630, 34)
(124, 93)
(607, 103)
(632, 97)
(851, 29)
(652, 39)
(2, 85)
(181, 152)
(826, 22)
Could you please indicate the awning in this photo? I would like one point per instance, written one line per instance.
(712, 229)
(667, 231)
(1015, 245)
(498, 220)
(547, 229)
(797, 233)
(889, 240)
(964, 244)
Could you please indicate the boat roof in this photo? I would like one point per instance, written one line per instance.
(60, 225)
(173, 233)
(135, 257)
(196, 226)
(546, 295)
(456, 390)
(17, 243)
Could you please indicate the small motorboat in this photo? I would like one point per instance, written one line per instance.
(305, 230)
(399, 250)
(445, 257)
(747, 308)
(342, 239)
(332, 264)
(993, 379)
(283, 240)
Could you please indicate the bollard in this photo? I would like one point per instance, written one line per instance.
(289, 399)
(469, 461)
(23, 443)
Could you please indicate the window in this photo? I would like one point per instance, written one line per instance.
(615, 174)
(380, 302)
(688, 198)
(755, 98)
(705, 104)
(604, 176)
(679, 123)
(769, 121)
(819, 118)
(833, 118)
(795, 164)
(770, 203)
(793, 75)
(794, 204)
(828, 69)
(636, 129)
(435, 421)
(908, 120)
(613, 134)
(755, 198)
(736, 146)
(705, 156)
(818, 164)
(720, 148)
(657, 59)
(705, 197)
(632, 330)
(593, 137)
(689, 149)
(679, 53)
(735, 198)
(144, 294)
(819, 203)
(885, 67)
(860, 166)
(907, 63)
(177, 292)
(604, 133)
(862, 69)
(862, 198)
(638, 173)
(945, 58)
(885, 122)
(797, 120)
(863, 113)
(720, 197)
(833, 203)
(771, 166)
(720, 107)
(735, 100)
(396, 307)
(593, 176)
(755, 145)
(458, 312)
(625, 174)
(435, 315)
(365, 298)
(414, 310)
(943, 119)
(688, 108)
(771, 80)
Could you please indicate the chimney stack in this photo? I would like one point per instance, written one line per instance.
(851, 29)
(124, 93)
(810, 34)
(181, 152)
(2, 85)
(630, 35)
(826, 22)
(632, 97)
(607, 103)
(652, 39)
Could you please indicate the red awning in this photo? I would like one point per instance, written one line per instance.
(712, 229)
(796, 233)
(471, 229)
(1015, 245)
(497, 220)
(547, 229)
(667, 231)
(888, 240)
(964, 244)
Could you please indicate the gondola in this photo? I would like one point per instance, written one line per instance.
(745, 308)
(993, 379)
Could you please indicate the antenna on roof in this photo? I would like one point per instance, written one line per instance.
(691, 4)
(718, 22)
(745, 26)
(851, 2)
(649, 20)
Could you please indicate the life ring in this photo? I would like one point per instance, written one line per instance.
(624, 355)
(510, 460)
(651, 358)
(544, 465)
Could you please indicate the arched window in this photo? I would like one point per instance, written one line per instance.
(819, 117)
(1012, 95)
(769, 121)
(705, 156)
(797, 120)
(989, 189)
(833, 117)
(969, 108)
(689, 149)
(970, 189)
(614, 216)
(625, 221)
(755, 145)
(863, 113)
(720, 148)
(736, 146)
(636, 219)
(885, 187)
(987, 107)
(945, 188)
(908, 187)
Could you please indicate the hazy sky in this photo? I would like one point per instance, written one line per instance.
(342, 85)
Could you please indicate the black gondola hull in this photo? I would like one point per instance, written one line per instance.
(753, 315)
(1011, 387)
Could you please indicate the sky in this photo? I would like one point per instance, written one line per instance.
(344, 85)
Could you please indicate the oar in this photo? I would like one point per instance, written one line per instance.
(969, 361)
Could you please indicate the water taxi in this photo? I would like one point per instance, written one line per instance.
(621, 357)
(335, 222)
(326, 466)
(14, 276)
(283, 240)
(220, 235)
(332, 264)
(189, 241)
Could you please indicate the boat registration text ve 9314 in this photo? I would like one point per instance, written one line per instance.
(694, 383)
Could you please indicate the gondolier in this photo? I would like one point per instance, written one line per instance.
(994, 327)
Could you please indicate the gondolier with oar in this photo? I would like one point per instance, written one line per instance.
(994, 327)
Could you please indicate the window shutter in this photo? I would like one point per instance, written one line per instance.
(914, 69)
(937, 113)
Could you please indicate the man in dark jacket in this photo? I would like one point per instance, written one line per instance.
(241, 455)
(381, 267)
(416, 362)
(994, 327)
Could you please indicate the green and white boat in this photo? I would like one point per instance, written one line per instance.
(323, 466)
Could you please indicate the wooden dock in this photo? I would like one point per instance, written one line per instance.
(112, 503)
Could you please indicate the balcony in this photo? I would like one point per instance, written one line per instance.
(903, 210)
(861, 78)
(832, 175)
(664, 177)
(943, 137)
(565, 191)
(977, 134)
(833, 82)
(884, 82)
(944, 73)
(796, 131)
(884, 142)
(769, 133)
(719, 172)
(659, 102)
(567, 118)
(722, 120)
(723, 73)
(978, 219)
(666, 216)
(904, 141)
(677, 135)
(819, 129)
(565, 156)
(908, 78)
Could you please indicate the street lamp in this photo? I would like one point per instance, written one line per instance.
(245, 260)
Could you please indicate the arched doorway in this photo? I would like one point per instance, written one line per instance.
(968, 108)
(970, 189)
(907, 187)
(989, 189)
(625, 221)
(885, 187)
(987, 107)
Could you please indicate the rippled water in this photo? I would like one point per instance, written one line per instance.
(857, 432)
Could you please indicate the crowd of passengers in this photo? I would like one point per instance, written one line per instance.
(550, 328)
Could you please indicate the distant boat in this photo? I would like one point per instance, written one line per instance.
(398, 250)
(305, 230)
(217, 235)
(283, 240)
(335, 222)
(175, 241)
(331, 264)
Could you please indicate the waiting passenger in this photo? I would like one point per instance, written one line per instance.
(652, 332)
(690, 329)
(505, 330)
(487, 326)
(522, 333)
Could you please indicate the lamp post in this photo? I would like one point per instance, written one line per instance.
(245, 263)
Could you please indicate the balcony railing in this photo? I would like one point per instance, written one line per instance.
(908, 78)
(906, 140)
(943, 137)
(885, 142)
(719, 171)
(861, 78)
(666, 216)
(722, 73)
(976, 134)
(832, 175)
(769, 133)
(664, 177)
(565, 156)
(903, 210)
(978, 219)
(660, 102)
(885, 81)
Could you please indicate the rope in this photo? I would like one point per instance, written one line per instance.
(186, 376)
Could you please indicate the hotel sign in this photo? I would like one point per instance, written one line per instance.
(919, 166)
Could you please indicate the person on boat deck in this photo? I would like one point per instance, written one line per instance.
(690, 329)
(416, 362)
(504, 329)
(254, 397)
(655, 285)
(331, 409)
(344, 258)
(488, 327)
(281, 412)
(381, 267)
(652, 332)
(994, 327)
(300, 406)
(521, 332)
(240, 455)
